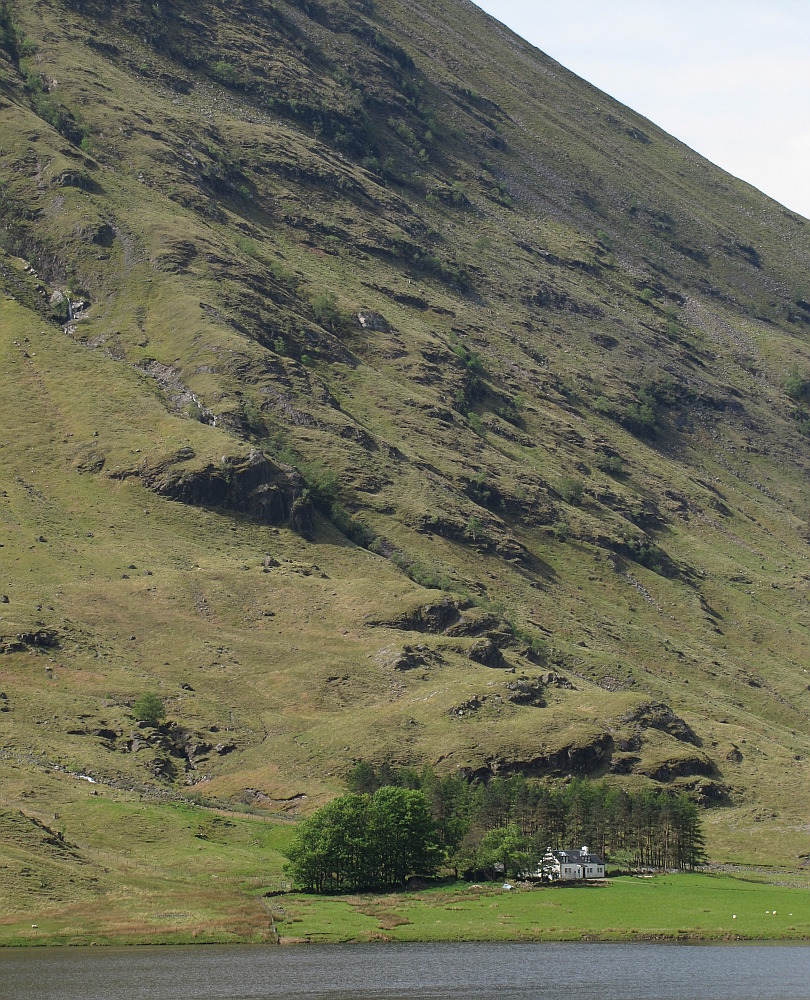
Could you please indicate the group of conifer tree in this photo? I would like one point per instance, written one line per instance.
(397, 823)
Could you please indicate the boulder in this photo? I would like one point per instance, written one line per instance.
(485, 651)
(370, 320)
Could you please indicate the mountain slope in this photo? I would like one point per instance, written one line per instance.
(379, 302)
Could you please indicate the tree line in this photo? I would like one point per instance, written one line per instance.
(396, 823)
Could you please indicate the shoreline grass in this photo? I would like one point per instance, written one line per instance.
(691, 907)
(700, 907)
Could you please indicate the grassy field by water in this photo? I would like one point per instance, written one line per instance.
(694, 907)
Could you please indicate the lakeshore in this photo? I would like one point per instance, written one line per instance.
(694, 907)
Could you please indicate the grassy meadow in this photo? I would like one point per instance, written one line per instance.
(663, 907)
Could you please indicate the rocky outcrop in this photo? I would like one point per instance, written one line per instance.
(453, 617)
(435, 616)
(39, 638)
(526, 691)
(679, 767)
(408, 658)
(576, 758)
(485, 651)
(476, 622)
(467, 707)
(368, 319)
(252, 485)
(656, 715)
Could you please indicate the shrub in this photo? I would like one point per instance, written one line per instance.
(571, 490)
(561, 531)
(194, 411)
(223, 71)
(351, 527)
(539, 647)
(248, 246)
(611, 464)
(327, 312)
(458, 194)
(604, 406)
(476, 424)
(149, 709)
(322, 483)
(644, 417)
(60, 311)
(797, 386)
(254, 419)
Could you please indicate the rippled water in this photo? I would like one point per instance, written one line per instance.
(394, 972)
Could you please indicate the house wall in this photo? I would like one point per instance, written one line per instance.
(568, 871)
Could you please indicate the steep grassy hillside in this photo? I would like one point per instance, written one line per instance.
(373, 387)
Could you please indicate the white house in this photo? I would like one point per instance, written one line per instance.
(559, 866)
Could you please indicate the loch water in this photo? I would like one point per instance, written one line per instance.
(523, 971)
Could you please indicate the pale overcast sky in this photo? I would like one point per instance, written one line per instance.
(730, 78)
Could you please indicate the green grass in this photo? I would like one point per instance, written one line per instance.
(130, 872)
(665, 907)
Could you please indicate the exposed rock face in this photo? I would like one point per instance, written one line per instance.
(659, 716)
(486, 652)
(408, 658)
(680, 767)
(302, 516)
(476, 622)
(434, 617)
(370, 320)
(704, 791)
(583, 758)
(253, 485)
(173, 745)
(624, 764)
(456, 618)
(526, 691)
(42, 638)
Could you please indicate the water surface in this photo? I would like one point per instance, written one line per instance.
(551, 971)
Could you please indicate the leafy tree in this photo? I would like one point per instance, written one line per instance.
(797, 386)
(330, 851)
(365, 842)
(506, 849)
(326, 310)
(572, 490)
(362, 778)
(402, 835)
(149, 709)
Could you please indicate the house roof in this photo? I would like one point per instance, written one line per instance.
(577, 858)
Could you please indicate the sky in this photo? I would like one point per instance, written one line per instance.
(730, 78)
